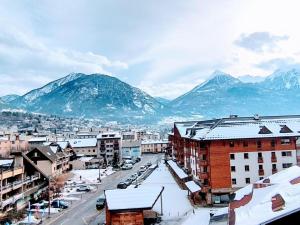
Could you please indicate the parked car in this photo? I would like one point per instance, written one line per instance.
(40, 205)
(128, 181)
(149, 164)
(143, 169)
(134, 176)
(129, 161)
(127, 166)
(100, 202)
(122, 185)
(59, 204)
(83, 188)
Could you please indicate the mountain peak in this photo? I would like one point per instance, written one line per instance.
(287, 78)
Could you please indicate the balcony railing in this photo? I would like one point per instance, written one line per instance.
(203, 175)
(274, 159)
(203, 163)
(260, 160)
(18, 183)
(261, 172)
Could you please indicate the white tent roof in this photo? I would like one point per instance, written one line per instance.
(192, 186)
(180, 173)
(135, 198)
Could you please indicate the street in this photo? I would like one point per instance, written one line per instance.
(83, 212)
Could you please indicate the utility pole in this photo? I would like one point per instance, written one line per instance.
(99, 170)
(49, 197)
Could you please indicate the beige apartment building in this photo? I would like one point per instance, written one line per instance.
(154, 146)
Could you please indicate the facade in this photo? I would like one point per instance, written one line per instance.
(86, 147)
(11, 143)
(52, 160)
(154, 146)
(226, 154)
(131, 149)
(109, 145)
(20, 181)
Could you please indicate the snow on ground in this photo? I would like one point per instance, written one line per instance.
(200, 216)
(175, 201)
(91, 176)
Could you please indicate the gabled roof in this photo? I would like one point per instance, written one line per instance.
(268, 201)
(46, 151)
(241, 127)
(141, 198)
(81, 143)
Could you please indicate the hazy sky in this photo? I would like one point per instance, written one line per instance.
(164, 47)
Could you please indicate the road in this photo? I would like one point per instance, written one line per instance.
(83, 212)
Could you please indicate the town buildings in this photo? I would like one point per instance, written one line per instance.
(85, 146)
(154, 146)
(20, 181)
(131, 149)
(223, 155)
(109, 145)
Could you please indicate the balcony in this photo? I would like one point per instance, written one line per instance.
(260, 160)
(273, 159)
(11, 173)
(19, 183)
(7, 202)
(203, 175)
(274, 171)
(203, 163)
(261, 172)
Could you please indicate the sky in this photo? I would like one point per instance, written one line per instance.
(163, 47)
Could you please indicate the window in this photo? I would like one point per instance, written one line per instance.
(245, 143)
(272, 143)
(233, 181)
(246, 156)
(260, 167)
(274, 166)
(273, 155)
(203, 157)
(258, 144)
(247, 180)
(232, 168)
(247, 168)
(286, 153)
(232, 156)
(231, 144)
(286, 165)
(285, 141)
(261, 178)
(259, 155)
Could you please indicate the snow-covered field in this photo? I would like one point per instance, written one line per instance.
(90, 176)
(175, 201)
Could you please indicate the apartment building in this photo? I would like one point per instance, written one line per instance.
(12, 142)
(20, 181)
(110, 145)
(86, 146)
(154, 146)
(52, 160)
(226, 154)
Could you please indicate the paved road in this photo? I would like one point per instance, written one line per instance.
(83, 212)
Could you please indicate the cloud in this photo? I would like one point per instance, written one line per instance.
(259, 41)
(278, 63)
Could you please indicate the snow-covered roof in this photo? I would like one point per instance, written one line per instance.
(135, 198)
(192, 186)
(149, 142)
(63, 144)
(241, 127)
(38, 139)
(259, 209)
(81, 143)
(109, 135)
(85, 159)
(5, 162)
(180, 173)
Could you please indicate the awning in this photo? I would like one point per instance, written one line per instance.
(192, 186)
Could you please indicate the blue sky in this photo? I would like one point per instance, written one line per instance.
(163, 47)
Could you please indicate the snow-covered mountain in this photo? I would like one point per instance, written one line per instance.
(9, 98)
(92, 96)
(251, 79)
(284, 79)
(222, 95)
